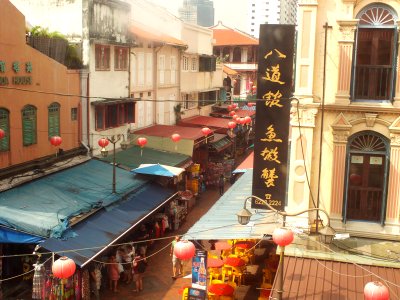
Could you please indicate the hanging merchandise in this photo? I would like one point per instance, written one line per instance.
(39, 282)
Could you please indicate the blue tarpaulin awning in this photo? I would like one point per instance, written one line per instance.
(99, 231)
(159, 170)
(8, 235)
(220, 222)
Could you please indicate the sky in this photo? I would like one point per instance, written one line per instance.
(227, 11)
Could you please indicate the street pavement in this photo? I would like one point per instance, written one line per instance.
(158, 283)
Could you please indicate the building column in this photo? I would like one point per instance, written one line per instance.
(341, 131)
(301, 143)
(396, 99)
(346, 45)
(393, 192)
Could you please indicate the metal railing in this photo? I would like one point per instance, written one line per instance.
(373, 82)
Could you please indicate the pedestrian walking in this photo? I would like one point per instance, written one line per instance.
(113, 273)
(95, 279)
(221, 184)
(138, 268)
(176, 262)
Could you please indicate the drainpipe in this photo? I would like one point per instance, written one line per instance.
(322, 124)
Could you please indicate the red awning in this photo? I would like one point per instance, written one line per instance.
(189, 133)
(201, 121)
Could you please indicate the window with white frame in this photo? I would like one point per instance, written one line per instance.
(149, 68)
(185, 63)
(173, 69)
(194, 64)
(161, 68)
(140, 68)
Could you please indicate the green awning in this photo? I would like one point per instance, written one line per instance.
(221, 142)
(134, 156)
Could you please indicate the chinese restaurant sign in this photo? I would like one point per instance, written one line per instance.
(274, 89)
(17, 67)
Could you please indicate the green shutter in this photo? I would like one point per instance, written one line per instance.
(29, 126)
(54, 120)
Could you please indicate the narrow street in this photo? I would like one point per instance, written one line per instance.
(157, 281)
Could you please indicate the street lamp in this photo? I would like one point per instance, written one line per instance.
(103, 142)
(244, 216)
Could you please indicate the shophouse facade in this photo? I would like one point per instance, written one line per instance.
(100, 31)
(237, 51)
(347, 105)
(39, 99)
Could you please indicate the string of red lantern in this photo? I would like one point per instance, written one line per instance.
(375, 290)
(175, 138)
(142, 141)
(206, 131)
(63, 267)
(103, 142)
(56, 140)
(184, 250)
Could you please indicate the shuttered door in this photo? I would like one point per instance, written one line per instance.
(4, 124)
(29, 125)
(54, 120)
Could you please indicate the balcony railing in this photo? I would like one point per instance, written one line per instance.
(373, 82)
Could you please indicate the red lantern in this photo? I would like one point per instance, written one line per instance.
(282, 237)
(103, 142)
(375, 290)
(242, 121)
(231, 125)
(235, 116)
(63, 267)
(247, 120)
(175, 137)
(184, 250)
(142, 142)
(2, 133)
(232, 113)
(206, 131)
(234, 105)
(55, 140)
(230, 107)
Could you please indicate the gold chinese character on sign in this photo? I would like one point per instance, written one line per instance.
(271, 154)
(271, 135)
(269, 177)
(273, 99)
(280, 54)
(273, 73)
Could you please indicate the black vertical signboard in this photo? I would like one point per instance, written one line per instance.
(274, 89)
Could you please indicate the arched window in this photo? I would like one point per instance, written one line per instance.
(29, 135)
(366, 172)
(54, 119)
(375, 50)
(5, 125)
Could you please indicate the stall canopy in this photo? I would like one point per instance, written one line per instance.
(133, 157)
(43, 207)
(220, 222)
(159, 170)
(159, 137)
(221, 142)
(96, 233)
(16, 237)
(218, 124)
